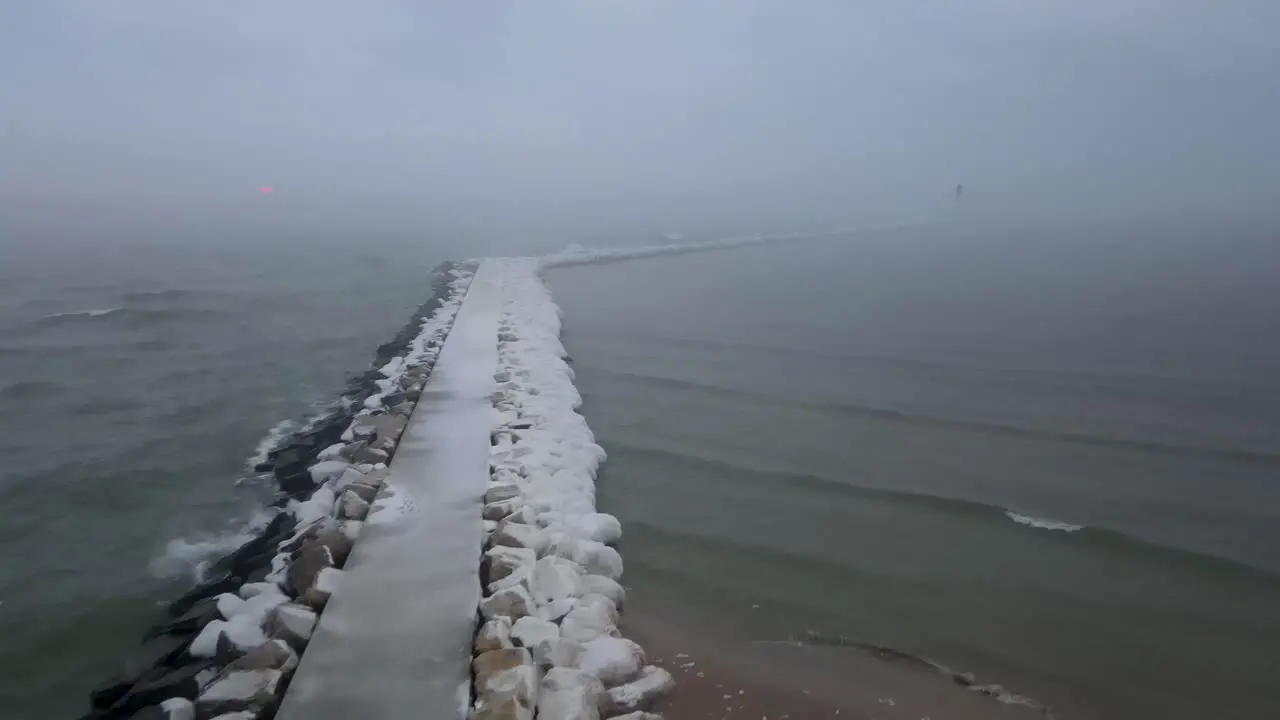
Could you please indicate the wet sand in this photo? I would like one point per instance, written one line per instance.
(720, 677)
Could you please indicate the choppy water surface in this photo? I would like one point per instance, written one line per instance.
(1050, 461)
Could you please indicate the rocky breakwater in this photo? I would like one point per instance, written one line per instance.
(228, 647)
(548, 641)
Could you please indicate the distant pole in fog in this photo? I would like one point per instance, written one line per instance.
(959, 192)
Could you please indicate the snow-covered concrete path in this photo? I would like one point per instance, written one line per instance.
(395, 641)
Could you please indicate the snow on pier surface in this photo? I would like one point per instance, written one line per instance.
(395, 639)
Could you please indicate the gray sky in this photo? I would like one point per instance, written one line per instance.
(495, 117)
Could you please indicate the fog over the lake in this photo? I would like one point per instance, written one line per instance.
(580, 116)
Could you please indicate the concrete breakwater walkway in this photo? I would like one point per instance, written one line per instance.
(395, 639)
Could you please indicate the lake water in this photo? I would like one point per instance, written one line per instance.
(1045, 458)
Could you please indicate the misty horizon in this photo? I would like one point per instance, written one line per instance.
(579, 117)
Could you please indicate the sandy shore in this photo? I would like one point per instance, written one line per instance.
(720, 677)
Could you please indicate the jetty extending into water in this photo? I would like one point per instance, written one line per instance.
(435, 550)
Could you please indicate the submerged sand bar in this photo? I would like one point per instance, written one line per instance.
(396, 641)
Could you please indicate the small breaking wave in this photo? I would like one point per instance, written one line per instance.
(192, 556)
(269, 442)
(1042, 523)
(63, 316)
(131, 316)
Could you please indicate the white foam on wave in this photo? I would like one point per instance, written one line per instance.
(86, 313)
(269, 442)
(1042, 523)
(579, 255)
(191, 556)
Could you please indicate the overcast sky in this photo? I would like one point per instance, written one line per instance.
(494, 116)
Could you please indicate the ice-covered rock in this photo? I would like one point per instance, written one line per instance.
(587, 622)
(494, 634)
(228, 604)
(371, 455)
(514, 602)
(332, 452)
(307, 563)
(317, 507)
(557, 652)
(569, 694)
(608, 587)
(504, 561)
(291, 623)
(254, 589)
(350, 529)
(271, 655)
(555, 578)
(501, 492)
(326, 470)
(501, 509)
(519, 535)
(353, 506)
(241, 631)
(555, 610)
(505, 668)
(602, 603)
(528, 631)
(639, 694)
(327, 582)
(600, 527)
(362, 490)
(179, 709)
(239, 690)
(614, 660)
(638, 715)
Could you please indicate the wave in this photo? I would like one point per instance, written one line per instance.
(272, 440)
(29, 390)
(990, 515)
(82, 314)
(133, 316)
(1042, 523)
(990, 428)
(168, 294)
(579, 255)
(192, 556)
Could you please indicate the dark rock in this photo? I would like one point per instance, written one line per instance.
(182, 683)
(352, 448)
(338, 544)
(271, 655)
(250, 556)
(393, 399)
(307, 563)
(259, 575)
(153, 712)
(225, 651)
(263, 467)
(299, 483)
(303, 535)
(223, 583)
(190, 622)
(145, 662)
